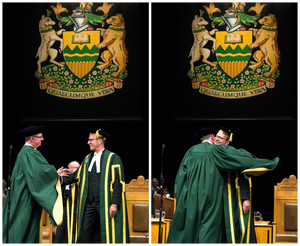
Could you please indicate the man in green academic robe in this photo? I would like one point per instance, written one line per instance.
(35, 185)
(101, 198)
(199, 189)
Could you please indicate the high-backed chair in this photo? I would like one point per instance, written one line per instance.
(137, 199)
(167, 205)
(285, 210)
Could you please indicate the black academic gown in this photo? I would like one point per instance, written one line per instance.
(66, 232)
(239, 227)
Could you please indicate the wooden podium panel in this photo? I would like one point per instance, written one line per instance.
(155, 232)
(264, 232)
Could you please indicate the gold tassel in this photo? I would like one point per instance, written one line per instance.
(98, 135)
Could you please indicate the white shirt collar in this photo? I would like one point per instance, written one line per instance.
(206, 141)
(96, 158)
(28, 144)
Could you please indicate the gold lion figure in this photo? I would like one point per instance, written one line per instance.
(266, 40)
(114, 40)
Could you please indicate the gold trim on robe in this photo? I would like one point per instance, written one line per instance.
(58, 206)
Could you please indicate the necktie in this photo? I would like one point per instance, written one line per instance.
(94, 167)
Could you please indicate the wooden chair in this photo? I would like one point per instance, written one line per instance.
(3, 199)
(167, 205)
(137, 199)
(285, 210)
(47, 228)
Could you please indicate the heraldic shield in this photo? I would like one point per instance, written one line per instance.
(80, 52)
(232, 51)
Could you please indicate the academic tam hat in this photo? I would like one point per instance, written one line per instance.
(206, 130)
(31, 130)
(100, 134)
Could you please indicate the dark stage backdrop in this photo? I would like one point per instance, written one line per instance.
(21, 65)
(185, 103)
(157, 99)
(70, 95)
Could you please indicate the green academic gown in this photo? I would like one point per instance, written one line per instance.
(35, 185)
(112, 180)
(199, 190)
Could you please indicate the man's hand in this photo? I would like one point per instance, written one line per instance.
(63, 172)
(112, 211)
(246, 206)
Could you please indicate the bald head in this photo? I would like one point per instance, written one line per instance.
(73, 166)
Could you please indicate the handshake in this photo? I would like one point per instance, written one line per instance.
(63, 172)
(72, 167)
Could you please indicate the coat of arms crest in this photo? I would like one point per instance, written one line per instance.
(238, 72)
(82, 74)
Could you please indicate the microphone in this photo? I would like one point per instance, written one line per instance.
(162, 157)
(161, 194)
(163, 147)
(8, 193)
(10, 148)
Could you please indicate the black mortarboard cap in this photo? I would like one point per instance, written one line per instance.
(100, 134)
(31, 130)
(205, 131)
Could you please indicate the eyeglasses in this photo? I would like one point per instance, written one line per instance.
(221, 138)
(90, 140)
(38, 136)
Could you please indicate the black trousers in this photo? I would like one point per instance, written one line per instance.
(90, 222)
